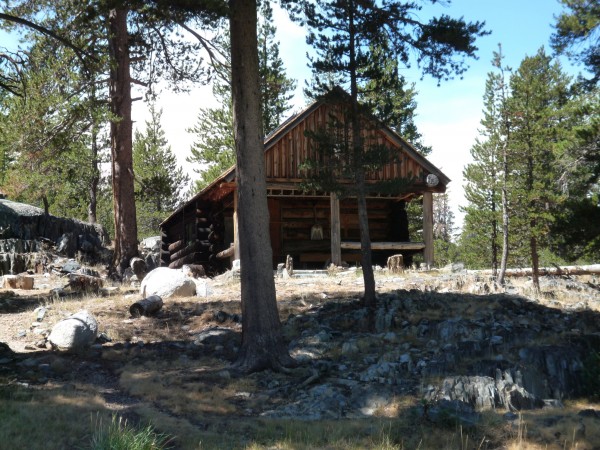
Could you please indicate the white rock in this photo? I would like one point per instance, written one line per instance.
(166, 283)
(202, 288)
(76, 332)
(151, 243)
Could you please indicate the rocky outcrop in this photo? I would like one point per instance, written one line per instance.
(21, 221)
(488, 352)
(26, 232)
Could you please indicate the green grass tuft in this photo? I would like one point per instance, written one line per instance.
(119, 435)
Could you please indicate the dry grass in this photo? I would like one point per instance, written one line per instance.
(196, 401)
(49, 418)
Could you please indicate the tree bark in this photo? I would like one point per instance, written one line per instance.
(369, 299)
(535, 263)
(505, 214)
(121, 141)
(94, 182)
(336, 237)
(262, 340)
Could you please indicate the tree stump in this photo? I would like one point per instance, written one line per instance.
(147, 306)
(84, 283)
(395, 264)
(18, 282)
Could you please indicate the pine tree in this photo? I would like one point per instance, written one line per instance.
(539, 93)
(393, 101)
(354, 41)
(159, 181)
(443, 229)
(484, 183)
(214, 149)
(262, 346)
(47, 139)
(577, 35)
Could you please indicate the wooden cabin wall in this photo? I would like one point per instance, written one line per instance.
(194, 236)
(284, 159)
(292, 218)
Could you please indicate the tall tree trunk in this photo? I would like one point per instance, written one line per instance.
(505, 148)
(494, 231)
(262, 340)
(535, 260)
(121, 141)
(93, 190)
(504, 260)
(369, 299)
(535, 266)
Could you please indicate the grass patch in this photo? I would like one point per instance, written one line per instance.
(46, 419)
(119, 435)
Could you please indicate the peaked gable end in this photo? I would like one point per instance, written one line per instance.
(290, 146)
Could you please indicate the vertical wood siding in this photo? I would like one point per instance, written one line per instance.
(285, 158)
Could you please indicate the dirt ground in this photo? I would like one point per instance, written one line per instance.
(150, 370)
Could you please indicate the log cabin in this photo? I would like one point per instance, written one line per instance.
(314, 227)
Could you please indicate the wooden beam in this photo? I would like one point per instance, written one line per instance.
(322, 257)
(346, 245)
(236, 229)
(428, 228)
(336, 234)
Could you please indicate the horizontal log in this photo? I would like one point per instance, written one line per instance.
(202, 221)
(192, 258)
(385, 245)
(228, 253)
(176, 246)
(218, 226)
(147, 306)
(323, 257)
(196, 270)
(192, 247)
(217, 248)
(214, 237)
(592, 269)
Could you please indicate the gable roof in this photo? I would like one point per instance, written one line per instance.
(275, 139)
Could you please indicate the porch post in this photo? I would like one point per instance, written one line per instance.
(428, 228)
(236, 230)
(336, 238)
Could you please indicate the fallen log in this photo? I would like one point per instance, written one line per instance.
(147, 306)
(547, 271)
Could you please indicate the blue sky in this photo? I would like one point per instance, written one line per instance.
(448, 116)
